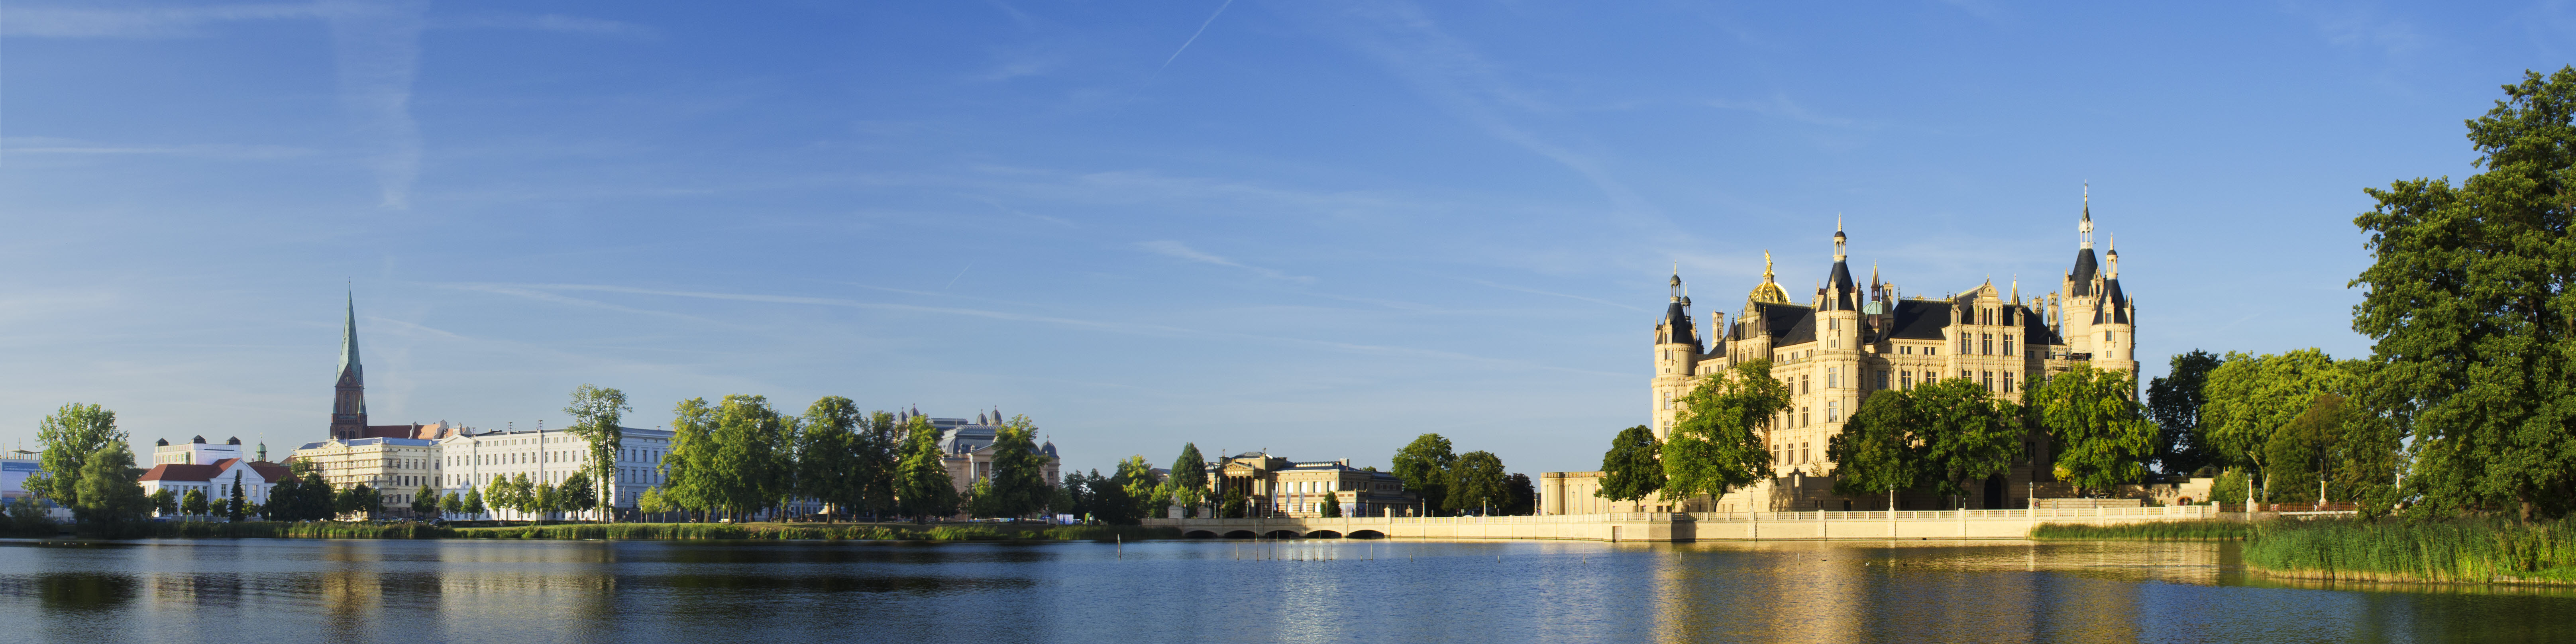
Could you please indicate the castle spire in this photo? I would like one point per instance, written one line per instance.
(2085, 229)
(2112, 252)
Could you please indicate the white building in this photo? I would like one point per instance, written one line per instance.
(199, 452)
(474, 461)
(215, 479)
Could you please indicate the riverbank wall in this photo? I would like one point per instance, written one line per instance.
(1695, 526)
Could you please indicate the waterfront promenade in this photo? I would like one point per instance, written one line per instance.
(1696, 526)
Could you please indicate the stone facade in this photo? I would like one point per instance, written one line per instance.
(1277, 487)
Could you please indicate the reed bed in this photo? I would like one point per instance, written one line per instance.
(638, 531)
(2467, 551)
(2146, 531)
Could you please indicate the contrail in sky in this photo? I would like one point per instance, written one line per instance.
(1194, 36)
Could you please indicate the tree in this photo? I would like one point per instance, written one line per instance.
(165, 503)
(474, 502)
(1331, 508)
(2248, 396)
(1424, 466)
(451, 503)
(512, 493)
(424, 502)
(194, 502)
(833, 454)
(1019, 477)
(1109, 501)
(1718, 443)
(2174, 401)
(652, 502)
(69, 437)
(1633, 468)
(927, 492)
(2469, 303)
(689, 468)
(753, 463)
(1236, 505)
(2104, 437)
(578, 494)
(1520, 496)
(1879, 451)
(1074, 495)
(360, 500)
(544, 501)
(1965, 433)
(110, 496)
(595, 413)
(981, 502)
(1189, 482)
(283, 500)
(880, 453)
(239, 508)
(1476, 482)
(2299, 452)
(317, 503)
(1142, 488)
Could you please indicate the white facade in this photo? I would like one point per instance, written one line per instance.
(474, 461)
(215, 479)
(195, 452)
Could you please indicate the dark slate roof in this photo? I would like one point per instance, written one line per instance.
(1786, 323)
(2085, 267)
(1920, 319)
(1678, 320)
(2034, 329)
(1840, 281)
(2115, 304)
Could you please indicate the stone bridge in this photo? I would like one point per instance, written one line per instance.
(1698, 526)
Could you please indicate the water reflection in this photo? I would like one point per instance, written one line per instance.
(1297, 591)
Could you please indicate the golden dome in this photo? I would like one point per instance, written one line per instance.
(1768, 291)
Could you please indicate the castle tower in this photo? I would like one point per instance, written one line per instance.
(2083, 287)
(349, 393)
(2114, 346)
(1677, 354)
(1838, 369)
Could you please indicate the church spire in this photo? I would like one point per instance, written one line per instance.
(349, 392)
(2085, 230)
(350, 371)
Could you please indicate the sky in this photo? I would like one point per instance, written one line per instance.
(1310, 227)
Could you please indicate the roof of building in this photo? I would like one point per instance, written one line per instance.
(1677, 325)
(1920, 319)
(2115, 309)
(2085, 268)
(204, 472)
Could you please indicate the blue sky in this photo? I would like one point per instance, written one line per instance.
(1318, 228)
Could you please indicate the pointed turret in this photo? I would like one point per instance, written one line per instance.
(1840, 293)
(2080, 280)
(1676, 327)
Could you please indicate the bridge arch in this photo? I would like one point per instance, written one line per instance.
(1199, 534)
(1367, 534)
(1323, 534)
(1241, 534)
(1283, 534)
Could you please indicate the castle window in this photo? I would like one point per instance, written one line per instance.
(1967, 345)
(1905, 350)
(1804, 382)
(1805, 454)
(2008, 382)
(1834, 411)
(1805, 417)
(1990, 381)
(1988, 343)
(1907, 378)
(2008, 348)
(1833, 378)
(1931, 351)
(1834, 325)
(1882, 379)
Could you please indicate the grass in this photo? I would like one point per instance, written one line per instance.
(2147, 531)
(2468, 551)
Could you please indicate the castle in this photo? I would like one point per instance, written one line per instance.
(1849, 340)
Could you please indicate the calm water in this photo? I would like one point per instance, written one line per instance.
(1314, 591)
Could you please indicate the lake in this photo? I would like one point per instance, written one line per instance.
(1298, 591)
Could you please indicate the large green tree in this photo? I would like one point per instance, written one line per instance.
(424, 502)
(596, 412)
(2174, 401)
(1189, 482)
(689, 471)
(754, 463)
(1717, 445)
(69, 437)
(1424, 467)
(2249, 396)
(2471, 301)
(1143, 488)
(880, 454)
(110, 497)
(1878, 451)
(2103, 436)
(1633, 467)
(1109, 501)
(1019, 485)
(833, 454)
(926, 490)
(1965, 433)
(1520, 496)
(1478, 483)
(194, 502)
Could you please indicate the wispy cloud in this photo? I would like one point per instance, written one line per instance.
(1194, 36)
(1509, 287)
(1779, 106)
(378, 47)
(72, 147)
(175, 22)
(545, 22)
(1171, 248)
(533, 290)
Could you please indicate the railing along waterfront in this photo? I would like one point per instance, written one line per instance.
(2197, 511)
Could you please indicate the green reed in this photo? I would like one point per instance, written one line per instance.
(2144, 531)
(2478, 550)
